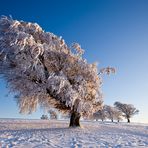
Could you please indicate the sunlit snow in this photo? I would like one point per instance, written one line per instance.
(57, 134)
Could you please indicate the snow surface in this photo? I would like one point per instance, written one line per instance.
(56, 134)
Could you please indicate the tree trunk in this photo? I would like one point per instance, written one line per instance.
(75, 119)
(128, 120)
(112, 120)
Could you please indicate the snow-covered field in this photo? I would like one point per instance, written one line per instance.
(56, 134)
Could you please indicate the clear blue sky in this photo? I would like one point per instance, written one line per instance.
(112, 32)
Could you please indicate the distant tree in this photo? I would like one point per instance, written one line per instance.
(44, 117)
(128, 110)
(53, 114)
(100, 115)
(42, 70)
(117, 115)
(110, 112)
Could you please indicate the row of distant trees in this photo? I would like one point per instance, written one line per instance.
(116, 112)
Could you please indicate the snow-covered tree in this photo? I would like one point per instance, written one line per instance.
(53, 114)
(43, 71)
(110, 112)
(117, 114)
(128, 110)
(100, 114)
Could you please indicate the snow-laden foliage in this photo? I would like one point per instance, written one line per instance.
(128, 110)
(42, 70)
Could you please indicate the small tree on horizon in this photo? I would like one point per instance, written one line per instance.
(128, 110)
(43, 71)
(44, 117)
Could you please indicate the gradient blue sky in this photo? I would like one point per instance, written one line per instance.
(112, 32)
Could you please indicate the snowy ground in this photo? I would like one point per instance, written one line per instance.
(56, 134)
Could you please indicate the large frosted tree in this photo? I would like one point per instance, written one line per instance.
(43, 71)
